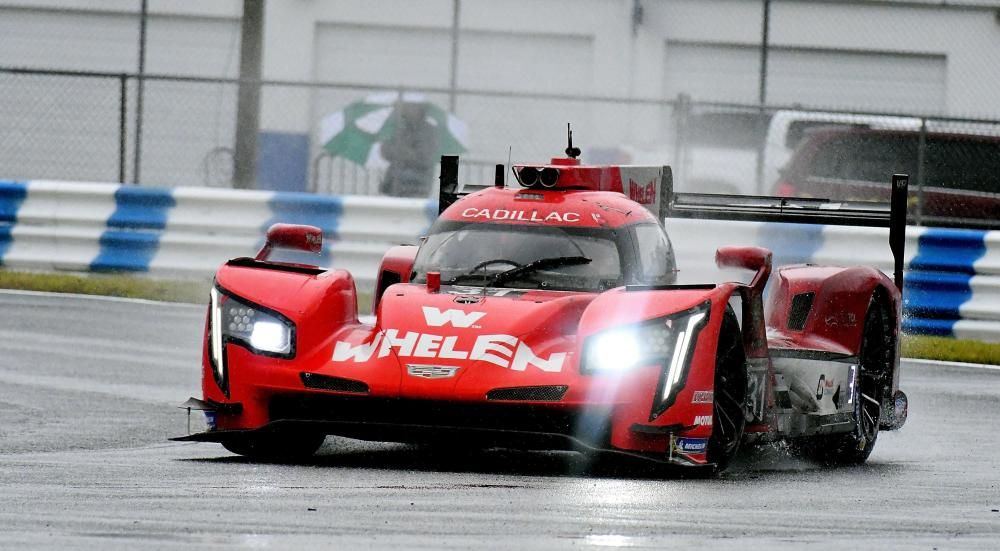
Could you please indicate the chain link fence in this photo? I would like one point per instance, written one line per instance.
(61, 124)
(953, 163)
(82, 126)
(739, 96)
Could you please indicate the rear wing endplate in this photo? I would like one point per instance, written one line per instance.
(449, 190)
(796, 210)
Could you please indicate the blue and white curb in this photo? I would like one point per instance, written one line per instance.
(58, 225)
(939, 282)
(132, 237)
(187, 232)
(12, 195)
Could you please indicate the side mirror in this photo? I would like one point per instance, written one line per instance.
(292, 236)
(749, 258)
(757, 259)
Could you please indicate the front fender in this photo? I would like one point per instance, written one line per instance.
(638, 423)
(621, 306)
(318, 302)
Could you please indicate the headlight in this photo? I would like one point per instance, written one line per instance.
(668, 342)
(258, 329)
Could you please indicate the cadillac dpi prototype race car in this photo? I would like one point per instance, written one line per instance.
(546, 315)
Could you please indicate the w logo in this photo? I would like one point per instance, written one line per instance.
(457, 318)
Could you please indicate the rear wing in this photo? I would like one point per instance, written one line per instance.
(653, 187)
(794, 210)
(647, 185)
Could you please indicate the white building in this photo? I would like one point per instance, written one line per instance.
(903, 56)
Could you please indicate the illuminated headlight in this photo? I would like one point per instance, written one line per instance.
(667, 342)
(262, 331)
(614, 351)
(270, 336)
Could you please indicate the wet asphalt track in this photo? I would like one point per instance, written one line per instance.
(86, 394)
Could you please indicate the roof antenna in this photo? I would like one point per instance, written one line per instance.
(571, 152)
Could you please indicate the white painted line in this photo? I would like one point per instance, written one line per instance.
(101, 298)
(941, 363)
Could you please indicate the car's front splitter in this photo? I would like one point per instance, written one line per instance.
(419, 434)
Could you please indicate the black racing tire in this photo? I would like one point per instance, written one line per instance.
(730, 394)
(875, 361)
(276, 446)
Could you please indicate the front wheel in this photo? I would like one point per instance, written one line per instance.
(276, 446)
(730, 394)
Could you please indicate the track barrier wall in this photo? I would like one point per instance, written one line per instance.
(952, 282)
(187, 232)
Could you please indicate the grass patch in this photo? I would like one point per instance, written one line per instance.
(113, 285)
(952, 350)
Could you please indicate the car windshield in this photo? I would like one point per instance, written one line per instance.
(564, 258)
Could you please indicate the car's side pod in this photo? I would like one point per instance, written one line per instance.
(811, 308)
(810, 302)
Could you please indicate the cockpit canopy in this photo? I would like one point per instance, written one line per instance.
(567, 258)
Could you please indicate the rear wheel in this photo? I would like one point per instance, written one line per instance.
(875, 359)
(276, 446)
(729, 409)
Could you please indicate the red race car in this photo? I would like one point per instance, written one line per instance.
(546, 316)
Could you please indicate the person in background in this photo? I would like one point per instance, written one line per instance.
(410, 153)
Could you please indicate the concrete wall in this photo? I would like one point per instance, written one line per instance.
(925, 56)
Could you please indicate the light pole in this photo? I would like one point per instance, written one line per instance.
(455, 12)
(762, 93)
(248, 96)
(140, 91)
